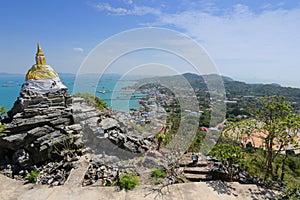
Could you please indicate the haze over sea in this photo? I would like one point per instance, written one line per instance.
(10, 87)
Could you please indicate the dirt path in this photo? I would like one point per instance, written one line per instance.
(12, 189)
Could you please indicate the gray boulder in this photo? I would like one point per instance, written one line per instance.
(109, 123)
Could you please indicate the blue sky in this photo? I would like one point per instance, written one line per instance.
(254, 41)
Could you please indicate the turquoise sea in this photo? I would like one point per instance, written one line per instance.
(10, 86)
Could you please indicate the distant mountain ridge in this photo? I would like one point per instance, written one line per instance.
(239, 88)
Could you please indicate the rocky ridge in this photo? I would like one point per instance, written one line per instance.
(39, 128)
(44, 132)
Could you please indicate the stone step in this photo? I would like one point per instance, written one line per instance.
(196, 170)
(198, 164)
(76, 175)
(198, 177)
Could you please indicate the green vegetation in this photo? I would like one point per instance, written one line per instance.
(229, 155)
(2, 130)
(271, 110)
(158, 175)
(92, 100)
(245, 94)
(67, 148)
(255, 164)
(32, 176)
(279, 124)
(161, 138)
(129, 181)
(2, 110)
(197, 142)
(2, 126)
(292, 193)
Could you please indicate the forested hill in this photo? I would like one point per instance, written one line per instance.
(237, 88)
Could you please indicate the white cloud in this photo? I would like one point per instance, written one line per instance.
(128, 2)
(246, 44)
(78, 49)
(113, 10)
(133, 10)
(264, 44)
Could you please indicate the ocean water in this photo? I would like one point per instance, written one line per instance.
(108, 88)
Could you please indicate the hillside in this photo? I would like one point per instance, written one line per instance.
(238, 88)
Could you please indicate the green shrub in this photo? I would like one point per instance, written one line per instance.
(92, 100)
(32, 176)
(129, 181)
(293, 163)
(2, 110)
(157, 176)
(292, 193)
(2, 130)
(229, 155)
(197, 142)
(158, 173)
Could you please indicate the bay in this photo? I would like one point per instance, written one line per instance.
(107, 87)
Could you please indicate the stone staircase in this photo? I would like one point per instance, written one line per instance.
(195, 172)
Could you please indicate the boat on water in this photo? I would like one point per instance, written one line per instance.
(8, 84)
(101, 91)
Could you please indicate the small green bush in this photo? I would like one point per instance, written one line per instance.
(2, 130)
(157, 176)
(129, 181)
(32, 176)
(292, 193)
(92, 100)
(229, 155)
(158, 173)
(2, 110)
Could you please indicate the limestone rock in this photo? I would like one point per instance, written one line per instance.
(21, 158)
(109, 123)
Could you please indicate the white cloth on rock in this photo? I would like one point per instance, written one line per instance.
(43, 86)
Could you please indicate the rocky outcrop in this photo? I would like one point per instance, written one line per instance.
(101, 175)
(47, 129)
(110, 133)
(31, 103)
(47, 132)
(131, 141)
(39, 128)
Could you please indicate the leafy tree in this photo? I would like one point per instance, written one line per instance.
(280, 126)
(229, 155)
(278, 123)
(240, 131)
